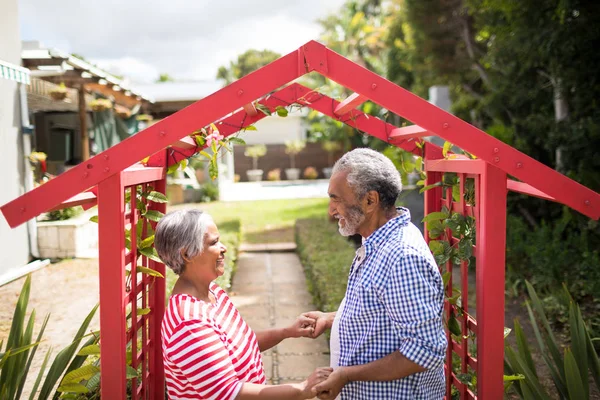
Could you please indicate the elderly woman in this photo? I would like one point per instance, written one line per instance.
(209, 351)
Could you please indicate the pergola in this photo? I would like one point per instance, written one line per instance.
(105, 178)
(57, 67)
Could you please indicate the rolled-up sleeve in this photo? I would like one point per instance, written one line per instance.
(413, 298)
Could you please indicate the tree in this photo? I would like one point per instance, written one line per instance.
(249, 61)
(165, 78)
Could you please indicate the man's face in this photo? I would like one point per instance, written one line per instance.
(344, 206)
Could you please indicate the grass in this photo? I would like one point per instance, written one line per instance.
(267, 221)
(326, 256)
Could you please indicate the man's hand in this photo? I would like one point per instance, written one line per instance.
(330, 388)
(318, 376)
(303, 326)
(322, 321)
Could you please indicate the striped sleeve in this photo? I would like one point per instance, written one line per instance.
(202, 357)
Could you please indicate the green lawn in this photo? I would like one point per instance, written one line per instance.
(266, 220)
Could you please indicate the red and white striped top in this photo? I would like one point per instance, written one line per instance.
(209, 351)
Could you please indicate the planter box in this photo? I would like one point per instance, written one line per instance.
(72, 238)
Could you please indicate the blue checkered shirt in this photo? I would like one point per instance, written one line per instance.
(394, 302)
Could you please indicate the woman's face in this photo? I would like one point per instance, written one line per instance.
(211, 261)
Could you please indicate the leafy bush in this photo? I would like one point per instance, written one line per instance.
(210, 192)
(63, 214)
(550, 255)
(569, 372)
(326, 256)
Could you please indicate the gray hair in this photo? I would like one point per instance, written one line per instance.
(370, 170)
(180, 234)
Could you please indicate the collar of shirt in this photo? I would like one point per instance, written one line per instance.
(378, 237)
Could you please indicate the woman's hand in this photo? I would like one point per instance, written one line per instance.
(319, 375)
(303, 327)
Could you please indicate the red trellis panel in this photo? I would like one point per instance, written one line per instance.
(108, 176)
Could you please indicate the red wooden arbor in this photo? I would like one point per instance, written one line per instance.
(106, 177)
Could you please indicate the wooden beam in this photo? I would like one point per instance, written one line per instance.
(525, 188)
(408, 132)
(350, 103)
(86, 198)
(85, 140)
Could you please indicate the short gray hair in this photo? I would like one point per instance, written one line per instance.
(370, 170)
(180, 233)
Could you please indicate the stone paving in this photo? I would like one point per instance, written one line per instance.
(269, 290)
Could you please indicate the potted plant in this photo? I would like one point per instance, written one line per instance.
(59, 92)
(310, 173)
(274, 175)
(292, 148)
(330, 146)
(255, 152)
(101, 105)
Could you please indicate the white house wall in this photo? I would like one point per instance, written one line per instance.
(276, 130)
(14, 245)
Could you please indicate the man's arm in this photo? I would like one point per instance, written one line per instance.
(391, 367)
(302, 327)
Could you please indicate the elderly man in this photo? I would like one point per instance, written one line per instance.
(387, 338)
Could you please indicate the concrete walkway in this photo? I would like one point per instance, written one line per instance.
(269, 290)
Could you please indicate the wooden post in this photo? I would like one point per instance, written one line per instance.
(85, 140)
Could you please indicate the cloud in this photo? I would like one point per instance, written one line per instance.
(186, 39)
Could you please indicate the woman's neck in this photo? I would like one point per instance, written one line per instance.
(193, 287)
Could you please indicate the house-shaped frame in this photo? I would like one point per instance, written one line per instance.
(106, 177)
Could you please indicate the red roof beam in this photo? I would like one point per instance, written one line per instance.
(86, 198)
(525, 188)
(408, 132)
(350, 103)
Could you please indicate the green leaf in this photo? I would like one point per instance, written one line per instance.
(94, 218)
(157, 197)
(523, 348)
(143, 311)
(531, 384)
(262, 108)
(40, 374)
(93, 382)
(438, 215)
(249, 128)
(205, 154)
(150, 252)
(446, 278)
(435, 228)
(453, 325)
(172, 168)
(507, 332)
(153, 215)
(92, 349)
(73, 388)
(80, 374)
(213, 169)
(578, 343)
(148, 242)
(149, 271)
(237, 140)
(131, 373)
(465, 249)
(446, 149)
(425, 188)
(281, 111)
(436, 247)
(574, 377)
(200, 141)
(594, 361)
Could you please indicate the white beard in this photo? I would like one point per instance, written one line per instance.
(354, 219)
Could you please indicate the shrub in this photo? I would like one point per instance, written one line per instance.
(63, 214)
(310, 173)
(274, 175)
(255, 152)
(292, 148)
(326, 256)
(210, 192)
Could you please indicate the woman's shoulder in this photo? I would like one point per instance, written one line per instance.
(184, 307)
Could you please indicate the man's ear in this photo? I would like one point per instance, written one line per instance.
(372, 200)
(184, 255)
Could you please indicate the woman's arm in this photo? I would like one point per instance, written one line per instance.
(302, 327)
(290, 391)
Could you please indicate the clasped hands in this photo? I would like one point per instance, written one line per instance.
(325, 383)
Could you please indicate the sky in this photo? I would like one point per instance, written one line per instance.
(187, 39)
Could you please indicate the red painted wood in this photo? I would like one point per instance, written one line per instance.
(111, 250)
(491, 249)
(454, 130)
(151, 140)
(350, 103)
(408, 132)
(521, 187)
(85, 198)
(458, 166)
